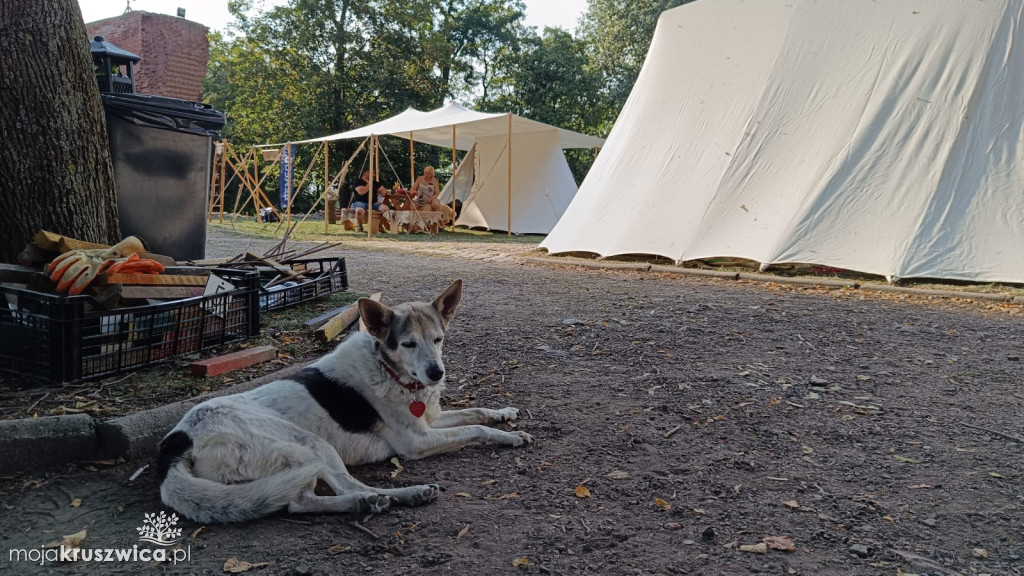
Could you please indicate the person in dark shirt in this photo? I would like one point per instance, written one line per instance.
(361, 197)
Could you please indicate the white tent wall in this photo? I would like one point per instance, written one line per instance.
(542, 184)
(882, 137)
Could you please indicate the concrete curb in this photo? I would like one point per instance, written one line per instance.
(39, 443)
(27, 442)
(768, 279)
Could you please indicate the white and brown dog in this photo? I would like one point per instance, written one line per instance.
(239, 457)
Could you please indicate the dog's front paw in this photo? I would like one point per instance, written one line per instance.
(509, 414)
(519, 438)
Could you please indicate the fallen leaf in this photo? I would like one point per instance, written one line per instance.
(980, 553)
(784, 543)
(889, 518)
(662, 504)
(463, 532)
(777, 478)
(791, 504)
(76, 502)
(234, 565)
(698, 511)
(618, 475)
(905, 459)
(996, 475)
(71, 541)
(398, 467)
(921, 486)
(760, 548)
(337, 549)
(196, 532)
(582, 492)
(491, 482)
(463, 494)
(508, 496)
(521, 561)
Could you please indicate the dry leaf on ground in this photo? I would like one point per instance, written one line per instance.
(784, 543)
(234, 565)
(521, 561)
(398, 467)
(791, 504)
(662, 504)
(582, 492)
(76, 502)
(70, 541)
(463, 494)
(759, 548)
(980, 553)
(337, 549)
(463, 532)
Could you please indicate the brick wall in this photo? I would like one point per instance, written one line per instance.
(174, 51)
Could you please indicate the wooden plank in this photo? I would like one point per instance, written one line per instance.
(233, 361)
(152, 279)
(280, 268)
(160, 292)
(57, 243)
(314, 323)
(341, 321)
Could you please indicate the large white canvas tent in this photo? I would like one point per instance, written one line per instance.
(882, 137)
(539, 185)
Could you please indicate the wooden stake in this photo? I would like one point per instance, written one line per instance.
(412, 162)
(212, 192)
(369, 187)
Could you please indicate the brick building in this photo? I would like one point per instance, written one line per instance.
(174, 51)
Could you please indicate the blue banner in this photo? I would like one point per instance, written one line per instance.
(286, 174)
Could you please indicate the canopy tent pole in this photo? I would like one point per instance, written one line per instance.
(510, 174)
(453, 178)
(412, 162)
(369, 187)
(328, 203)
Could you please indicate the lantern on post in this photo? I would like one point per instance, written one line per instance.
(115, 67)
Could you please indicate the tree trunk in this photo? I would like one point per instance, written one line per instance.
(55, 169)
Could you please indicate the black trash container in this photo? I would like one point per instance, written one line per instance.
(162, 149)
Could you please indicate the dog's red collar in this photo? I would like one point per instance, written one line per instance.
(412, 386)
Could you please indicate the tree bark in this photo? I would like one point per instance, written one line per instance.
(55, 169)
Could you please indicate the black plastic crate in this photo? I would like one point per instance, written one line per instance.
(328, 276)
(68, 338)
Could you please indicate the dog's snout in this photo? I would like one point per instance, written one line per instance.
(435, 373)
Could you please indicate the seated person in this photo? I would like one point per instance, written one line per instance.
(361, 195)
(425, 191)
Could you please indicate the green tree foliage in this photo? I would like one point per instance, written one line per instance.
(314, 67)
(617, 35)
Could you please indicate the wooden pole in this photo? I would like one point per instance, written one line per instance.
(370, 187)
(223, 175)
(510, 174)
(328, 203)
(288, 188)
(452, 180)
(412, 162)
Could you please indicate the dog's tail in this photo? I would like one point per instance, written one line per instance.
(206, 501)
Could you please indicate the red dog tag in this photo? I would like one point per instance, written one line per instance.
(417, 408)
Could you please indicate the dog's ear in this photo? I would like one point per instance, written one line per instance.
(376, 316)
(448, 301)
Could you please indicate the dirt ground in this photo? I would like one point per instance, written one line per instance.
(675, 420)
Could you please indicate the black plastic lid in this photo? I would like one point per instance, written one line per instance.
(166, 113)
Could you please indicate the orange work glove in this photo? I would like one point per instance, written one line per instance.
(74, 270)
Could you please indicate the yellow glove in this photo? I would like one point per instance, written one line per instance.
(76, 269)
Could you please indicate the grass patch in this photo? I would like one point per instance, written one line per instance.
(313, 231)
